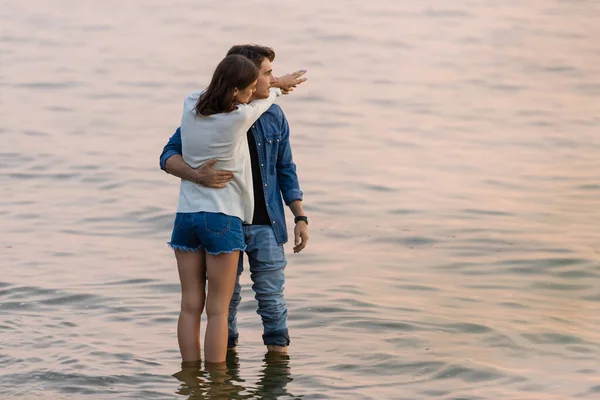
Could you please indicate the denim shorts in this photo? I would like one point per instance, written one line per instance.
(215, 233)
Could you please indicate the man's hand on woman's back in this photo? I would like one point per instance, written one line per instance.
(213, 178)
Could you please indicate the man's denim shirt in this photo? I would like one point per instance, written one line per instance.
(277, 168)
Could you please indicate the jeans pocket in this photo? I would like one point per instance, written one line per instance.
(217, 224)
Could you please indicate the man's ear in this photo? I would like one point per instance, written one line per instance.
(235, 92)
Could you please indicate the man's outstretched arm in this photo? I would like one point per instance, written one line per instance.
(171, 161)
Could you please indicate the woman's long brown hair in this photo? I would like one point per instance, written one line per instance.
(233, 72)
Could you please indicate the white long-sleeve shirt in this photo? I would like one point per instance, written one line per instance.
(223, 137)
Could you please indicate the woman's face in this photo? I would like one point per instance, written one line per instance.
(243, 95)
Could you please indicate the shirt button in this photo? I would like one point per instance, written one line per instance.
(258, 144)
(262, 165)
(273, 222)
(265, 184)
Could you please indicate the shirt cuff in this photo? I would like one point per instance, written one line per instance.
(164, 157)
(292, 195)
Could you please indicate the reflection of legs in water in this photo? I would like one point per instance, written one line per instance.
(220, 382)
(191, 377)
(214, 382)
(233, 366)
(274, 376)
(217, 372)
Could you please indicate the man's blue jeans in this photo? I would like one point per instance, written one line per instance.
(267, 265)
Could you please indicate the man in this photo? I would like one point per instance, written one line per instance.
(274, 176)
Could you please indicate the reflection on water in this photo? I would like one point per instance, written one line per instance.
(274, 377)
(449, 156)
(224, 382)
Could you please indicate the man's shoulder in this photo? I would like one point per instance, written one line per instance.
(273, 118)
(274, 111)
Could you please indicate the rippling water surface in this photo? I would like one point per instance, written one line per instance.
(450, 157)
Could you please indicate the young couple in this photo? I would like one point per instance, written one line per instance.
(233, 154)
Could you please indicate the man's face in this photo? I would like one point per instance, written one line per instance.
(264, 81)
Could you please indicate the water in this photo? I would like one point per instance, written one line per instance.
(448, 152)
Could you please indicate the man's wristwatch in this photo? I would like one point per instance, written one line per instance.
(301, 218)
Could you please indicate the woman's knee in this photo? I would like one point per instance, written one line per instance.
(192, 303)
(216, 307)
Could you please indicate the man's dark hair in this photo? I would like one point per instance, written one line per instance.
(257, 54)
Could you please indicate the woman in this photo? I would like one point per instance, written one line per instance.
(207, 235)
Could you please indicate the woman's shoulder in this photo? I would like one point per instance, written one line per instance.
(195, 95)
(192, 98)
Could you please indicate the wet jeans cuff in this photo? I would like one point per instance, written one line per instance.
(277, 338)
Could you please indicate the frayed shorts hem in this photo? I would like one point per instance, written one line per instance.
(183, 248)
(212, 253)
(216, 253)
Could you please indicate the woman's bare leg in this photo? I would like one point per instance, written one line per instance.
(192, 275)
(221, 271)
